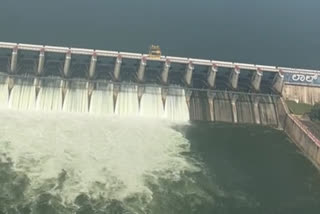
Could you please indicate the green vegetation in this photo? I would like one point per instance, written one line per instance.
(302, 108)
(298, 108)
(315, 112)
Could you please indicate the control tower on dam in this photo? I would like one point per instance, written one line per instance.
(212, 90)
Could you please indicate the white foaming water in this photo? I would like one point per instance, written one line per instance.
(127, 101)
(4, 95)
(102, 101)
(176, 108)
(76, 100)
(151, 103)
(23, 97)
(49, 99)
(110, 158)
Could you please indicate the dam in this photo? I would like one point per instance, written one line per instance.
(91, 124)
(88, 147)
(51, 78)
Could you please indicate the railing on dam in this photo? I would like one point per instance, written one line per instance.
(183, 60)
(195, 74)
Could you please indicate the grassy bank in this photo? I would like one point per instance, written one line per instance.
(298, 108)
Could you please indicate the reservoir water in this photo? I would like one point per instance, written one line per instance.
(57, 159)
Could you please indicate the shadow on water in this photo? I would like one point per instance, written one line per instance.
(257, 169)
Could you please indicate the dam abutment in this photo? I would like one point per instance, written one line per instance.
(299, 134)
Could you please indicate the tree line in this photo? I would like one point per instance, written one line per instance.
(315, 112)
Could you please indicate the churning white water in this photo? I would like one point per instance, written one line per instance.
(4, 95)
(176, 108)
(99, 156)
(102, 101)
(23, 97)
(127, 101)
(151, 104)
(76, 100)
(49, 99)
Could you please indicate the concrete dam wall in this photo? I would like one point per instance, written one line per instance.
(300, 135)
(302, 94)
(233, 107)
(302, 87)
